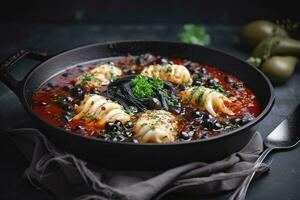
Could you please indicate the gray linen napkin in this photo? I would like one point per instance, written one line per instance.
(67, 177)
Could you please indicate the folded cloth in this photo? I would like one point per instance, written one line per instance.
(66, 177)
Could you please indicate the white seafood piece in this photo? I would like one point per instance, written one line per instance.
(155, 126)
(207, 99)
(96, 107)
(178, 74)
(99, 76)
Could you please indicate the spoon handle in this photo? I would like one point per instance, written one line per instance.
(240, 192)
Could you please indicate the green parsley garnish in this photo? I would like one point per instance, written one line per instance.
(200, 97)
(142, 86)
(91, 116)
(167, 68)
(194, 34)
(172, 101)
(155, 117)
(86, 77)
(152, 127)
(157, 82)
(193, 89)
(131, 110)
(112, 76)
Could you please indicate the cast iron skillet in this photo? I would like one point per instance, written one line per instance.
(139, 156)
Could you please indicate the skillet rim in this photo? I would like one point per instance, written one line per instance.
(257, 119)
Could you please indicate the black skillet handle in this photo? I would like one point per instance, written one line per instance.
(6, 65)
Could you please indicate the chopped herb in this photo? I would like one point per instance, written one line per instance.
(131, 110)
(86, 77)
(91, 116)
(194, 90)
(200, 97)
(171, 100)
(152, 127)
(111, 75)
(168, 69)
(142, 86)
(189, 97)
(157, 82)
(194, 34)
(155, 117)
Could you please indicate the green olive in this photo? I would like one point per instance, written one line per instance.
(254, 32)
(277, 45)
(279, 68)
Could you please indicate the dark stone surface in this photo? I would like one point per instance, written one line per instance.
(149, 12)
(281, 183)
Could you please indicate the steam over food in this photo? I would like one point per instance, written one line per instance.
(146, 99)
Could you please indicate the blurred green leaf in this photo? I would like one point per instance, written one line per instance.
(194, 34)
(256, 61)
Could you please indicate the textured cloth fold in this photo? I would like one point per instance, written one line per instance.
(66, 177)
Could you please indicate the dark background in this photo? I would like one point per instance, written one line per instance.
(140, 11)
(57, 25)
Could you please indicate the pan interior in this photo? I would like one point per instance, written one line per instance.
(109, 52)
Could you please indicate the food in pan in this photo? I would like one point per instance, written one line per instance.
(146, 99)
(100, 110)
(178, 74)
(155, 126)
(207, 99)
(100, 75)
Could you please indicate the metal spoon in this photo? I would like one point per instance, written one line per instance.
(285, 136)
